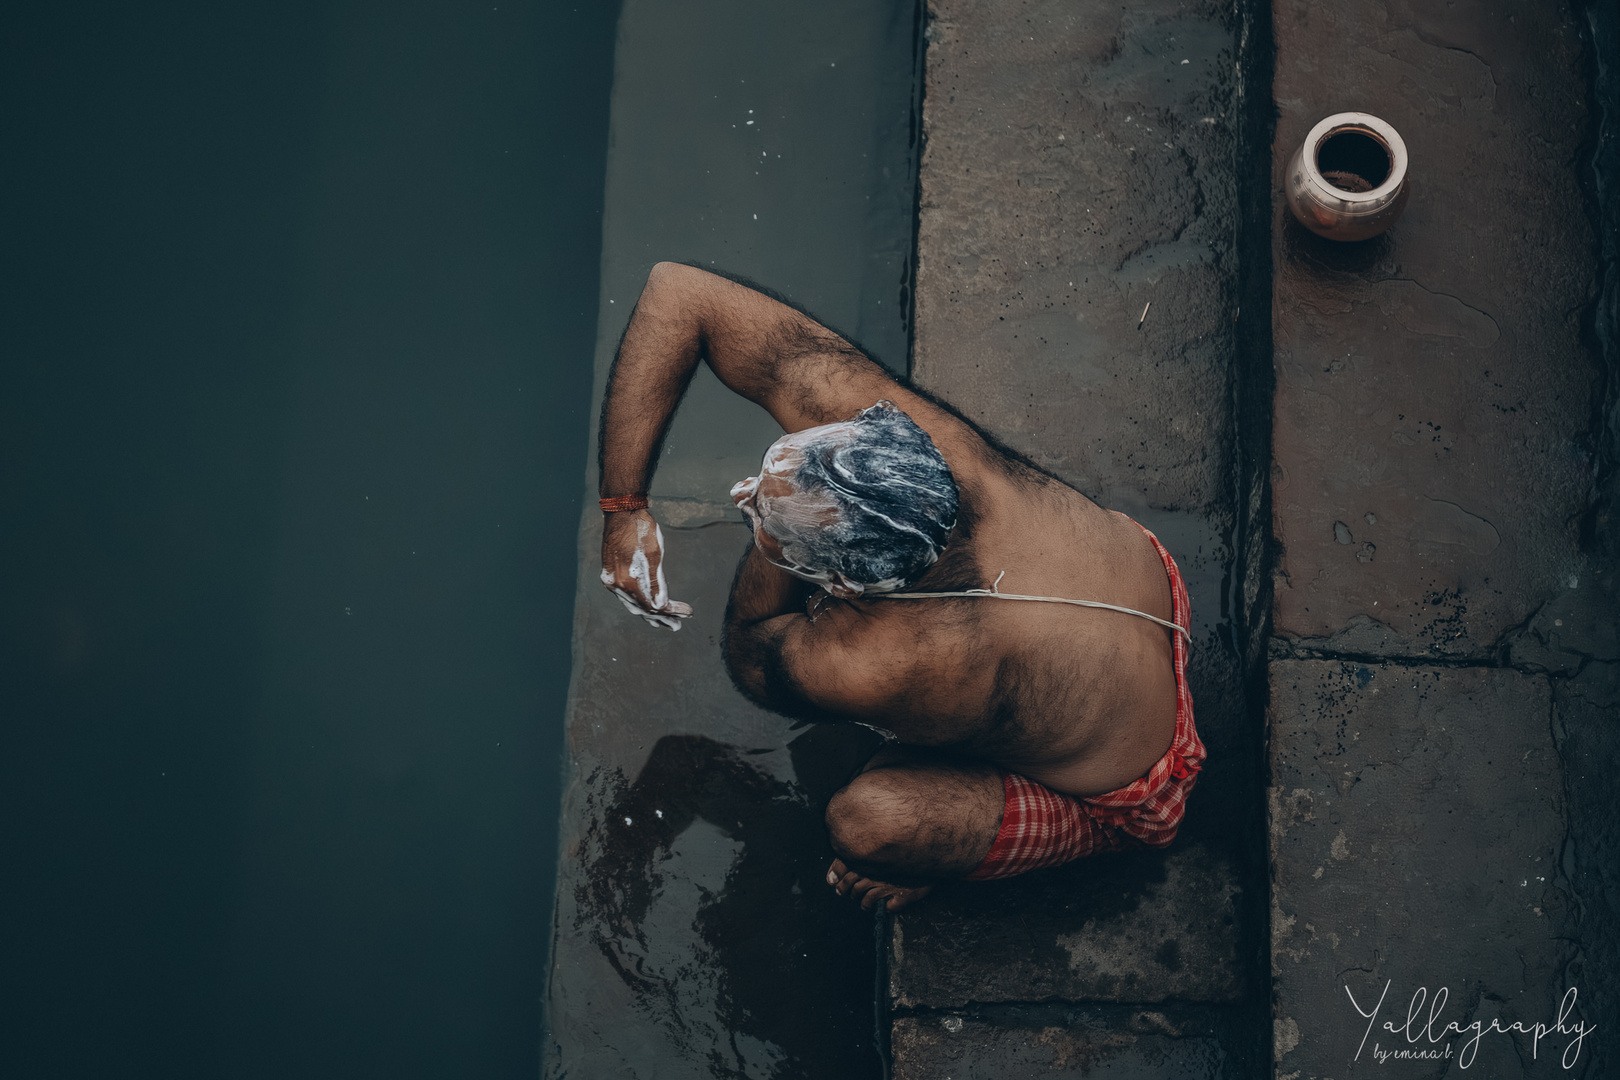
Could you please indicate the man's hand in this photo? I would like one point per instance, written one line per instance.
(633, 568)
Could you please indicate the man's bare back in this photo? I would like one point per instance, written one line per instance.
(1080, 700)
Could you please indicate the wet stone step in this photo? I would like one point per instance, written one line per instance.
(1076, 296)
(1416, 823)
(1098, 1045)
(1433, 385)
(1142, 926)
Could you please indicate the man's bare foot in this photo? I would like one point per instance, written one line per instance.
(846, 882)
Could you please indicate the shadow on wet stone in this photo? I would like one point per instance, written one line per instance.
(775, 941)
(1371, 258)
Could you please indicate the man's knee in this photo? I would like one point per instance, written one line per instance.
(868, 819)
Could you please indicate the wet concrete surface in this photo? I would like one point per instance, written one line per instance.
(1076, 171)
(1098, 1044)
(1078, 168)
(1443, 696)
(695, 936)
(1430, 379)
(1417, 830)
(1133, 926)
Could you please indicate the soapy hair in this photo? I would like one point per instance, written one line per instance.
(892, 497)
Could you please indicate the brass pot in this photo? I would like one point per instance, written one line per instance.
(1348, 180)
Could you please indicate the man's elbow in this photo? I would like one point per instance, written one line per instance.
(670, 296)
(754, 663)
(672, 278)
(743, 658)
(752, 683)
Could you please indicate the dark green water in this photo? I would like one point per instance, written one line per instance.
(299, 309)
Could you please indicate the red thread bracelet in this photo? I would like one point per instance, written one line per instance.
(623, 502)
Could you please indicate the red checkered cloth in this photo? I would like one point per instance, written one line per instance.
(1040, 827)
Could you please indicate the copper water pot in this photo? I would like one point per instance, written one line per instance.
(1348, 181)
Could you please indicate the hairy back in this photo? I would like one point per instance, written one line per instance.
(1077, 695)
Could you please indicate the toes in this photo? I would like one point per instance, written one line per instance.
(870, 892)
(854, 886)
(874, 891)
(841, 878)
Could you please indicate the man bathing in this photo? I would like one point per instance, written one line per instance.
(1039, 710)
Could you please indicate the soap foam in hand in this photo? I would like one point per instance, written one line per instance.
(651, 584)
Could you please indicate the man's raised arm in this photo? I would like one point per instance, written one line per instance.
(799, 371)
(782, 360)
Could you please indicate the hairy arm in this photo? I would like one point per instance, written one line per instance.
(799, 371)
(764, 350)
(782, 360)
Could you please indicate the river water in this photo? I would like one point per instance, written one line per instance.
(290, 443)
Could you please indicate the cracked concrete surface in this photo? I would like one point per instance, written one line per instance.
(1077, 290)
(1444, 699)
(1138, 927)
(1429, 378)
(1040, 246)
(965, 1048)
(1441, 679)
(1417, 823)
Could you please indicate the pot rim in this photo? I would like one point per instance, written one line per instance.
(1370, 125)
